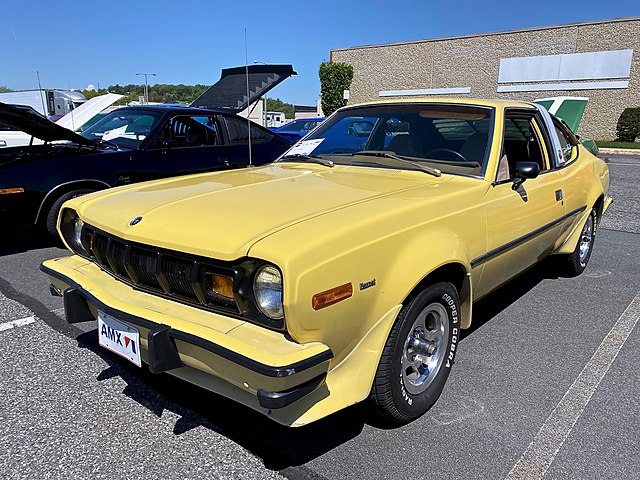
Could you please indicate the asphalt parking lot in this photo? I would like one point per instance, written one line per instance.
(546, 383)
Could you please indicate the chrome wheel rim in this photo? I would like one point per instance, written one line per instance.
(424, 348)
(586, 237)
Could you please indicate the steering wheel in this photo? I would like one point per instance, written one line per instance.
(448, 150)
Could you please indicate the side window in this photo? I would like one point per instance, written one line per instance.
(569, 150)
(185, 131)
(238, 131)
(522, 143)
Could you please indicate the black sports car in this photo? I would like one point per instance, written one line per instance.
(132, 144)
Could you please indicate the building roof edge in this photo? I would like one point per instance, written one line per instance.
(486, 34)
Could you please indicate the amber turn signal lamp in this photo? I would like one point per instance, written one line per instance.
(329, 297)
(222, 285)
(7, 191)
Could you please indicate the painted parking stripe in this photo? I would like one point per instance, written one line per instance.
(544, 447)
(16, 323)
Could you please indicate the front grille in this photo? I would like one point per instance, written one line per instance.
(165, 273)
(179, 274)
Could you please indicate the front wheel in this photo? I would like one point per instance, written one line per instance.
(577, 261)
(418, 355)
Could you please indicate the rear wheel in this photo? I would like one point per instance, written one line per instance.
(54, 211)
(577, 261)
(418, 355)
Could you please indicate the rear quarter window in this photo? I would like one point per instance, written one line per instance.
(238, 131)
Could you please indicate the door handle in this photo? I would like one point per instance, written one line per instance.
(558, 195)
(3, 143)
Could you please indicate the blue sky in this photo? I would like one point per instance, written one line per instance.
(79, 43)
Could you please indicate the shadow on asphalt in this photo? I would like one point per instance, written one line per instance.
(279, 447)
(498, 300)
(25, 239)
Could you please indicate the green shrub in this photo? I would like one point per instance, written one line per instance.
(628, 127)
(335, 78)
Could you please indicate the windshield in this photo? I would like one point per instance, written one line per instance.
(300, 126)
(450, 138)
(125, 128)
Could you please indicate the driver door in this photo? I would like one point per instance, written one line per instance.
(524, 223)
(186, 144)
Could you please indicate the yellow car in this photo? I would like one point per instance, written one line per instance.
(343, 271)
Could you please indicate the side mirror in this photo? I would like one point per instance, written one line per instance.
(525, 170)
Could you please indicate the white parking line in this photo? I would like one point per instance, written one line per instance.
(16, 323)
(538, 456)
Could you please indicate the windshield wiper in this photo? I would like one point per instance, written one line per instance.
(321, 161)
(380, 153)
(107, 143)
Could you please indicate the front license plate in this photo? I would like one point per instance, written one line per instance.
(119, 337)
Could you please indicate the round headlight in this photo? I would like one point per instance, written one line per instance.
(267, 289)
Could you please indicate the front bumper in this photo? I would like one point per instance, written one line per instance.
(248, 363)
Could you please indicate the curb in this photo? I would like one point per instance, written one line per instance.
(619, 151)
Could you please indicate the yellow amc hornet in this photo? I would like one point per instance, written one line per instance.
(343, 271)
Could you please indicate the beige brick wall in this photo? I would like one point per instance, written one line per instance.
(474, 62)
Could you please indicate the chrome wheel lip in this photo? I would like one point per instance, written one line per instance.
(425, 347)
(586, 239)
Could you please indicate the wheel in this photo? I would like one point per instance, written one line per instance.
(418, 355)
(54, 211)
(577, 261)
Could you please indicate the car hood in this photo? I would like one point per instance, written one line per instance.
(38, 126)
(76, 118)
(221, 215)
(230, 92)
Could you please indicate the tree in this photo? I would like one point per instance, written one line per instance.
(335, 78)
(5, 89)
(277, 105)
(628, 127)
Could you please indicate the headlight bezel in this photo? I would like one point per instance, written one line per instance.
(265, 290)
(70, 221)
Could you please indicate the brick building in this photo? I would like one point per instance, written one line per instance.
(599, 60)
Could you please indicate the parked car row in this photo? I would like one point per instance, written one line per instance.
(133, 144)
(341, 272)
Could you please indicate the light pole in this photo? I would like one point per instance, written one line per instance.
(146, 86)
(265, 100)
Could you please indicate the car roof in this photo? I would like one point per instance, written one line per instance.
(495, 103)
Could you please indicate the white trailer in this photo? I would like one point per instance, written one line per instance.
(46, 101)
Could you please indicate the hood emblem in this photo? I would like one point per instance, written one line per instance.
(135, 221)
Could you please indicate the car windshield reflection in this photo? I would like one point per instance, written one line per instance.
(125, 128)
(449, 138)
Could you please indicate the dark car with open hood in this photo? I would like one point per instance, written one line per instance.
(134, 144)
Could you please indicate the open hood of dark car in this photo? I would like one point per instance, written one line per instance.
(230, 92)
(37, 125)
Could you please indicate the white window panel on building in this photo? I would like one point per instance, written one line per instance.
(571, 66)
(424, 91)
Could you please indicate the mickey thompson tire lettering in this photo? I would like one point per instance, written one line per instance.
(417, 357)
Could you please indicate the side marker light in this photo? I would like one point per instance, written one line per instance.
(331, 296)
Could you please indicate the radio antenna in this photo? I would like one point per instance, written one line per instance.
(44, 109)
(246, 69)
(73, 126)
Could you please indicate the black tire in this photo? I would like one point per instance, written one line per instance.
(397, 394)
(576, 262)
(54, 211)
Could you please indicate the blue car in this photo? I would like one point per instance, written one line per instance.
(294, 131)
